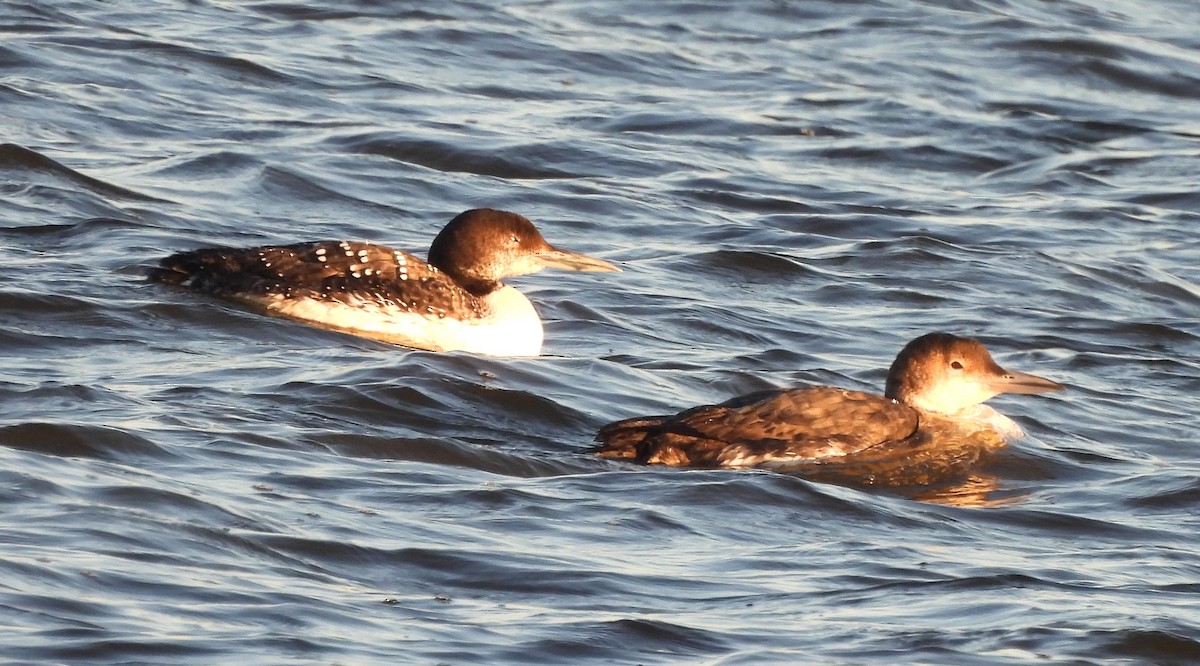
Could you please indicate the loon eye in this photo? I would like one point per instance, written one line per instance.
(957, 365)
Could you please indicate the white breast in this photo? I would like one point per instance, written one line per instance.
(511, 329)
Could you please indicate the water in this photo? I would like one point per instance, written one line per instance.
(793, 189)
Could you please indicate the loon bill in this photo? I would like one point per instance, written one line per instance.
(930, 420)
(453, 301)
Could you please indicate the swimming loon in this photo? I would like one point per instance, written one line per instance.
(455, 301)
(930, 414)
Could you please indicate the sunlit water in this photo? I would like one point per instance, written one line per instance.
(793, 190)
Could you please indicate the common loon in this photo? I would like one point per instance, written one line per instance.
(455, 301)
(929, 420)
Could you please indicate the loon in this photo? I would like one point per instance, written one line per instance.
(454, 301)
(929, 421)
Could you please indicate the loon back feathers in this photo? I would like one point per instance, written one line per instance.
(339, 271)
(762, 426)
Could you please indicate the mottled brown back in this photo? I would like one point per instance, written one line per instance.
(768, 427)
(330, 270)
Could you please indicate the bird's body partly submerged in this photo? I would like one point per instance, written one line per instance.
(930, 421)
(453, 301)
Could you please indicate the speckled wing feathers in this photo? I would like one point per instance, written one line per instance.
(331, 270)
(768, 427)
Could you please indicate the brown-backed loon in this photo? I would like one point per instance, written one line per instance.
(454, 301)
(930, 420)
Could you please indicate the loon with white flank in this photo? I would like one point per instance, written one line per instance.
(930, 420)
(455, 301)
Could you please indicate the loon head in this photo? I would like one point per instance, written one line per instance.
(945, 373)
(480, 247)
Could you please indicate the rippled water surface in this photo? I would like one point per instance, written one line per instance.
(794, 189)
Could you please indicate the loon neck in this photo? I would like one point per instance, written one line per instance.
(477, 287)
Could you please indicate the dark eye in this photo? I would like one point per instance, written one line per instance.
(957, 365)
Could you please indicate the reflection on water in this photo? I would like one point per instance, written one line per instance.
(943, 449)
(976, 491)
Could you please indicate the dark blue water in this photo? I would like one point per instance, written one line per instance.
(793, 189)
